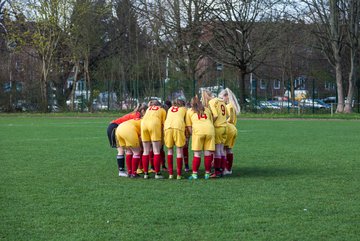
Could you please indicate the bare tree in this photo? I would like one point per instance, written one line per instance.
(351, 10)
(242, 36)
(177, 27)
(329, 22)
(44, 22)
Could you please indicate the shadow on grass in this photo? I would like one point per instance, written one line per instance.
(267, 172)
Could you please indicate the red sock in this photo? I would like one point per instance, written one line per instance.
(151, 158)
(128, 164)
(170, 164)
(223, 162)
(186, 155)
(140, 162)
(135, 163)
(230, 158)
(179, 162)
(217, 164)
(157, 161)
(208, 160)
(145, 163)
(196, 164)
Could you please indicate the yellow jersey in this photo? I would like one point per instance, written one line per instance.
(201, 124)
(232, 119)
(175, 118)
(219, 112)
(155, 114)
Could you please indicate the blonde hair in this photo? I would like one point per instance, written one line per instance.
(232, 99)
(206, 95)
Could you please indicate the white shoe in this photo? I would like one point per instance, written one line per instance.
(123, 174)
(159, 176)
(171, 176)
(227, 172)
(146, 176)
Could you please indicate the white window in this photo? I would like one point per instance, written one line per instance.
(330, 85)
(300, 83)
(262, 84)
(277, 84)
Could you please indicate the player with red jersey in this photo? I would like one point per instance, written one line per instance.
(151, 134)
(174, 135)
(138, 112)
(200, 125)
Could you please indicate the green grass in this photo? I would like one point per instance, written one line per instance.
(293, 180)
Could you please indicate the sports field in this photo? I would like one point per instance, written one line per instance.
(293, 180)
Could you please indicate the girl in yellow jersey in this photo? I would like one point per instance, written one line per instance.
(174, 134)
(219, 113)
(151, 134)
(199, 122)
(233, 109)
(128, 137)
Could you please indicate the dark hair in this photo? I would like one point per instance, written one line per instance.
(178, 103)
(197, 106)
(155, 103)
(140, 107)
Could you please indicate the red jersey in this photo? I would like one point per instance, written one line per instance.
(130, 116)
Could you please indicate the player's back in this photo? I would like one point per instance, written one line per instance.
(175, 118)
(155, 114)
(201, 124)
(218, 110)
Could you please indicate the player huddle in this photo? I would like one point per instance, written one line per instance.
(210, 123)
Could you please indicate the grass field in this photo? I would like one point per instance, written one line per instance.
(293, 180)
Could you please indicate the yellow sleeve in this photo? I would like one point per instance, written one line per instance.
(188, 118)
(231, 114)
(213, 108)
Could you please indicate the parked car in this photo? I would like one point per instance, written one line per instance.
(267, 105)
(316, 103)
(329, 100)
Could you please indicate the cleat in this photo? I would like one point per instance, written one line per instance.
(151, 170)
(134, 176)
(207, 176)
(179, 177)
(226, 172)
(187, 169)
(193, 177)
(171, 176)
(146, 176)
(215, 175)
(139, 171)
(164, 168)
(159, 176)
(123, 173)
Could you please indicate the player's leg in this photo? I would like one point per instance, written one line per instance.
(170, 161)
(179, 161)
(169, 143)
(156, 145)
(145, 158)
(135, 160)
(197, 146)
(128, 160)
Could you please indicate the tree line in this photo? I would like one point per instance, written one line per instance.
(139, 48)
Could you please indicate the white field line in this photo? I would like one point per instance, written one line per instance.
(52, 124)
(55, 139)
